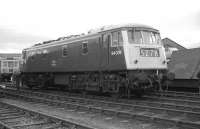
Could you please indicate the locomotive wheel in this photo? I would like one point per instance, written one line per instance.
(138, 95)
(63, 87)
(20, 83)
(115, 95)
(30, 87)
(122, 91)
(84, 93)
(129, 93)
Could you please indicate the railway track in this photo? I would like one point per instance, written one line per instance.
(179, 95)
(176, 116)
(12, 117)
(182, 95)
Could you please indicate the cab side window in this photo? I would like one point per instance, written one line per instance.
(84, 47)
(23, 55)
(106, 40)
(116, 39)
(64, 50)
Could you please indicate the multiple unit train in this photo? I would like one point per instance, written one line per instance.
(124, 59)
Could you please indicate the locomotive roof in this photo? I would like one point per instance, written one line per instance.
(91, 32)
(112, 27)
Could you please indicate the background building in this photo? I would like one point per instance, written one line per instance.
(171, 46)
(10, 62)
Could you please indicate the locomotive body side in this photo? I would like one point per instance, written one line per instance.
(68, 57)
(97, 57)
(105, 61)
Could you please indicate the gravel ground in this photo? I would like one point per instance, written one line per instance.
(94, 119)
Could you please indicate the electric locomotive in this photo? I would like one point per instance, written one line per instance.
(123, 60)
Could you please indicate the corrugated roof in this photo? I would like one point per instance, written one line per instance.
(10, 55)
(170, 43)
(185, 63)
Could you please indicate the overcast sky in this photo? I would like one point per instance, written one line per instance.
(27, 22)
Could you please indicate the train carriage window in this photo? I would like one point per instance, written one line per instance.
(106, 40)
(32, 55)
(64, 50)
(147, 37)
(135, 36)
(5, 64)
(23, 55)
(116, 39)
(151, 37)
(143, 37)
(85, 47)
(44, 53)
(158, 39)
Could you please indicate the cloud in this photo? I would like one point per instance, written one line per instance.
(195, 45)
(13, 40)
(197, 20)
(179, 21)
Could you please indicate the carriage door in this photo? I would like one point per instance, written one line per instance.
(105, 50)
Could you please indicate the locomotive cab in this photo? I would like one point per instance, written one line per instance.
(143, 49)
(137, 52)
(140, 47)
(145, 58)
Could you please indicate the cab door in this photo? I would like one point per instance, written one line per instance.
(105, 51)
(116, 56)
